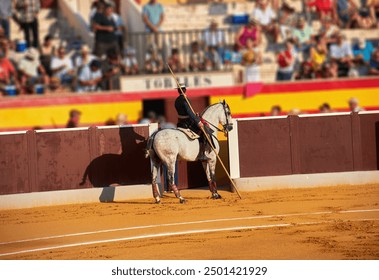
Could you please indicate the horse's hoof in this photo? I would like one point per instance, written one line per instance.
(216, 196)
(182, 200)
(157, 202)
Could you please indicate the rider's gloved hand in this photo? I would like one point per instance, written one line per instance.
(200, 125)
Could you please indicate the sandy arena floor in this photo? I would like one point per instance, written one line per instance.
(321, 223)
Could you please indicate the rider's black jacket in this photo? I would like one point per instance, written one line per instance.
(186, 117)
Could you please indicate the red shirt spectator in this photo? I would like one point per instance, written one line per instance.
(6, 69)
(323, 8)
(250, 31)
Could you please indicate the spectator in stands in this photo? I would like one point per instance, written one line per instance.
(212, 59)
(252, 59)
(153, 16)
(325, 108)
(232, 56)
(249, 31)
(120, 31)
(5, 15)
(47, 51)
(8, 73)
(105, 31)
(305, 72)
(215, 37)
(83, 59)
(31, 71)
(319, 54)
(121, 119)
(362, 52)
(324, 8)
(151, 117)
(129, 62)
(287, 20)
(342, 54)
(197, 58)
(90, 77)
(74, 118)
(328, 30)
(27, 16)
(303, 36)
(175, 62)
(374, 63)
(112, 71)
(63, 68)
(286, 61)
(354, 105)
(164, 124)
(153, 60)
(346, 11)
(373, 6)
(266, 17)
(329, 70)
(276, 110)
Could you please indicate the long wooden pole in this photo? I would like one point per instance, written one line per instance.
(206, 134)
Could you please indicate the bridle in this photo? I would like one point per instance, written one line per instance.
(225, 127)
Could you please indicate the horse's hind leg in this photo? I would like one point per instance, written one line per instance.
(154, 175)
(171, 181)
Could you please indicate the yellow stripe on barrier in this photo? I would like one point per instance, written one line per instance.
(51, 116)
(307, 100)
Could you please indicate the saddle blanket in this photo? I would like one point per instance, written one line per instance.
(190, 134)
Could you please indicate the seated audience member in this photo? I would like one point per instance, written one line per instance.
(342, 54)
(328, 30)
(329, 70)
(374, 63)
(318, 54)
(8, 73)
(305, 72)
(251, 59)
(130, 63)
(373, 9)
(90, 77)
(112, 71)
(362, 52)
(346, 11)
(266, 17)
(47, 51)
(215, 37)
(325, 108)
(121, 119)
(212, 59)
(249, 31)
(303, 36)
(276, 110)
(232, 56)
(287, 20)
(74, 118)
(84, 58)
(324, 8)
(286, 62)
(354, 105)
(197, 58)
(153, 61)
(31, 70)
(175, 62)
(63, 68)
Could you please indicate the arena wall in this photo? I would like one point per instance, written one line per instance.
(287, 151)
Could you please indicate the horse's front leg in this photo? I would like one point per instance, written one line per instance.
(210, 171)
(171, 181)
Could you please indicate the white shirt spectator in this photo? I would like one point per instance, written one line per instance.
(87, 75)
(213, 38)
(340, 51)
(130, 61)
(57, 62)
(79, 61)
(264, 17)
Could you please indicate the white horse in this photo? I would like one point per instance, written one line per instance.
(168, 145)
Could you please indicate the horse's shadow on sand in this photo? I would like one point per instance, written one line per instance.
(128, 168)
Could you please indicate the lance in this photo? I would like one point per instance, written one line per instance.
(206, 134)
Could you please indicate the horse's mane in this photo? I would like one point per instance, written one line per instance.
(209, 106)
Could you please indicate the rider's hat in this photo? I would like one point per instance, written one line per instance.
(181, 87)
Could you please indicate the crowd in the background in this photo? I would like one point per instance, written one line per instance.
(300, 52)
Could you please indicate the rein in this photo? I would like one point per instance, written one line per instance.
(216, 127)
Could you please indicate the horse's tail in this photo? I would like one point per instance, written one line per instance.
(149, 146)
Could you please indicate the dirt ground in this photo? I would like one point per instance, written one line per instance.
(339, 222)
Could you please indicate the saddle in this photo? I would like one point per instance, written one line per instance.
(190, 134)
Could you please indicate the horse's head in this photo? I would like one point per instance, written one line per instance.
(227, 120)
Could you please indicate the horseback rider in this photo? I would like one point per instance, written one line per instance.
(188, 119)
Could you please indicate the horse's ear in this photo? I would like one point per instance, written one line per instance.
(223, 101)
